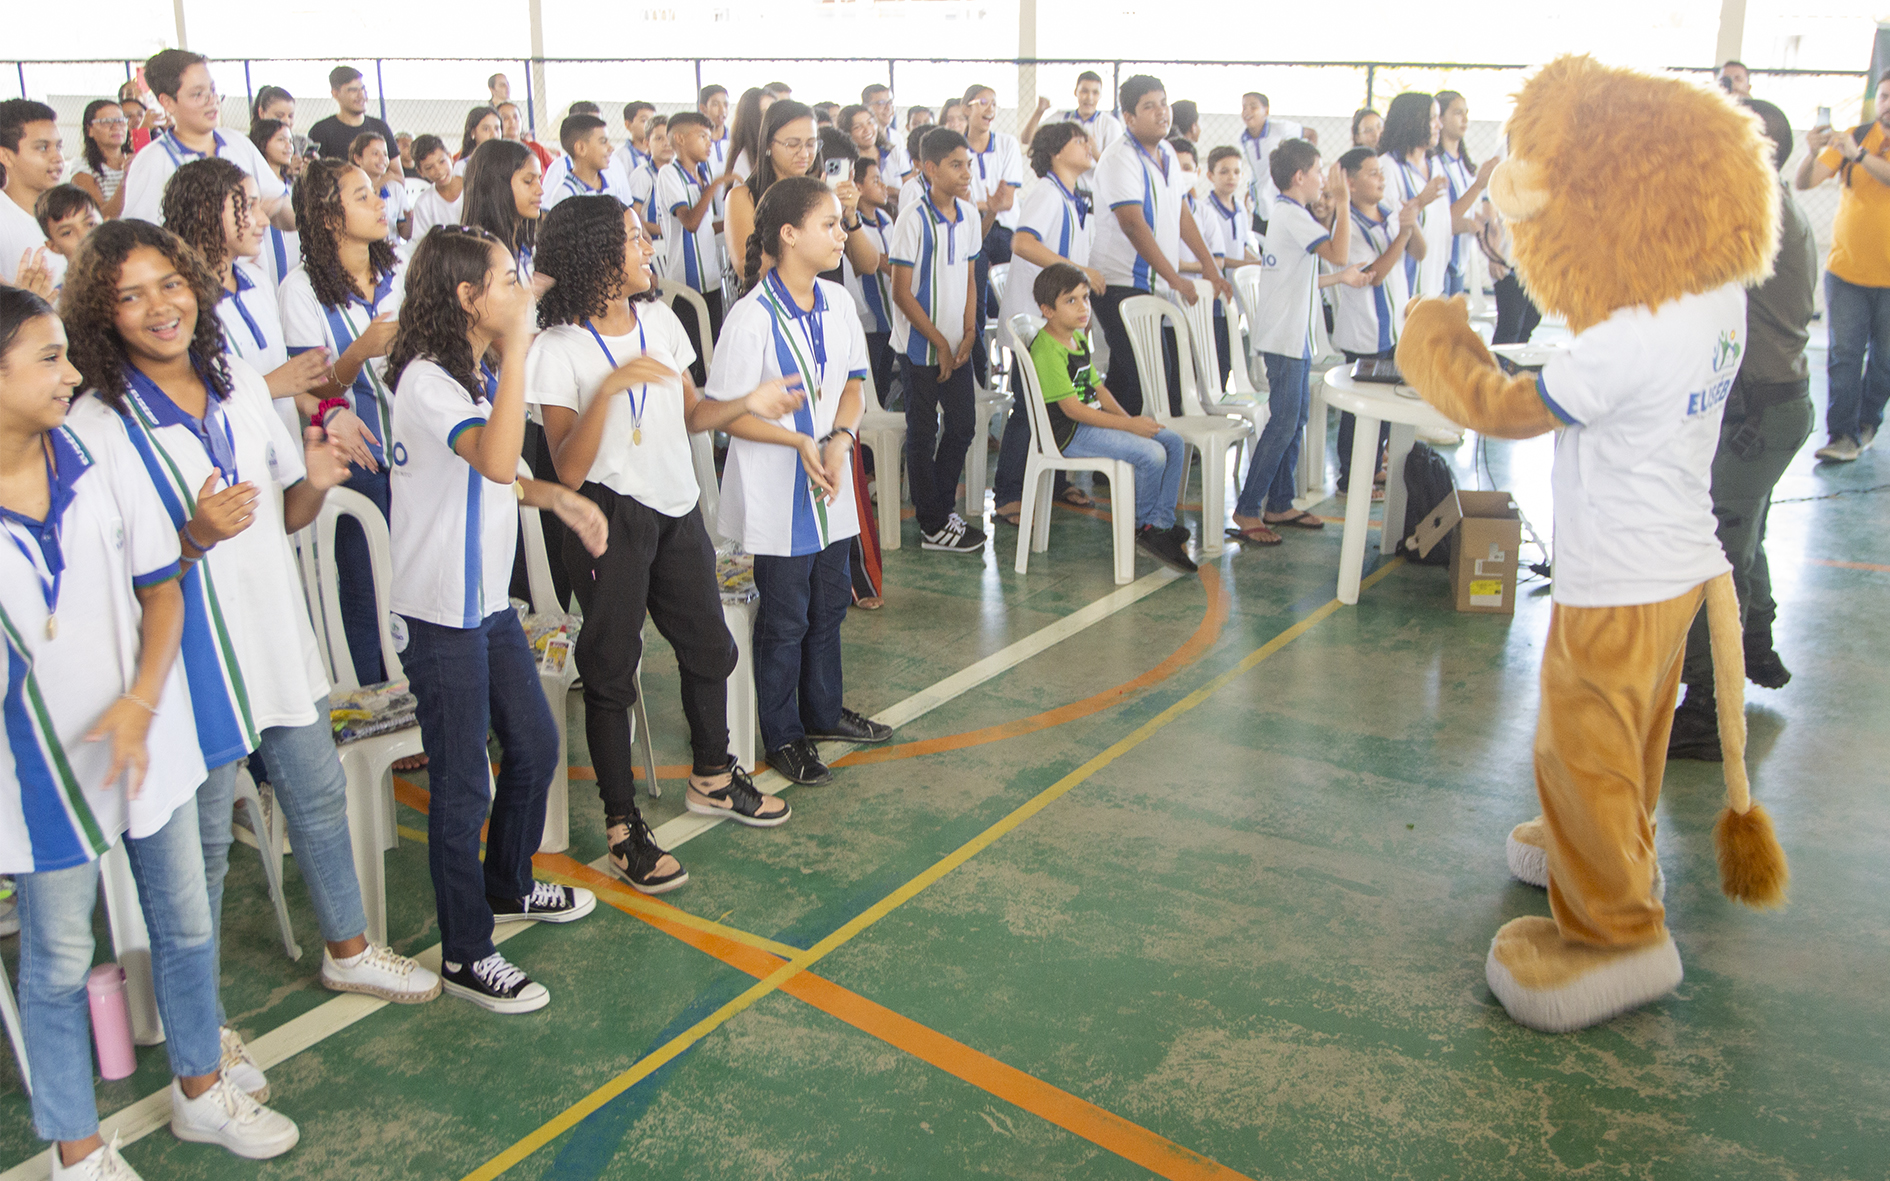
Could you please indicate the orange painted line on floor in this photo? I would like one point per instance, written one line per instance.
(1197, 645)
(1100, 1127)
(1849, 565)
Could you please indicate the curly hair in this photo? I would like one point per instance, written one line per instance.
(319, 218)
(489, 202)
(1050, 139)
(434, 326)
(582, 248)
(194, 200)
(786, 203)
(89, 306)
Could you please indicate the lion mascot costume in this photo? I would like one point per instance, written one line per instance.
(1641, 208)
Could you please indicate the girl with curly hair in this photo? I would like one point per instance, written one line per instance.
(235, 483)
(282, 249)
(505, 192)
(610, 375)
(458, 430)
(787, 491)
(342, 300)
(211, 204)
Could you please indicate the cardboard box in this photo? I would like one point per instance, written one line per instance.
(1483, 552)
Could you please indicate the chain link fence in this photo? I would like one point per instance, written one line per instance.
(419, 95)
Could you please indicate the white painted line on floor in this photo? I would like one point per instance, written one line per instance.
(152, 1112)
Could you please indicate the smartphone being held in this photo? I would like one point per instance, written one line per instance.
(1824, 117)
(837, 171)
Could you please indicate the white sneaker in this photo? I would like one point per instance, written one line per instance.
(1440, 437)
(103, 1165)
(227, 1115)
(382, 972)
(1842, 449)
(241, 1067)
(1866, 437)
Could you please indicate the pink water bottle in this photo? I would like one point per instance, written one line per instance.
(111, 1021)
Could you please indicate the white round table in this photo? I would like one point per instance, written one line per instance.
(1374, 403)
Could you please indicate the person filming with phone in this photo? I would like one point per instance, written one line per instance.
(1857, 275)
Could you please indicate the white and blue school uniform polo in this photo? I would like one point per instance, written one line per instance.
(1104, 128)
(1403, 182)
(307, 324)
(453, 531)
(1289, 280)
(767, 501)
(104, 536)
(152, 167)
(1366, 318)
(248, 650)
(1234, 225)
(941, 252)
(872, 294)
(1130, 174)
(570, 184)
(1258, 150)
(1459, 175)
(627, 159)
(1063, 220)
(252, 330)
(694, 256)
(1000, 163)
(642, 197)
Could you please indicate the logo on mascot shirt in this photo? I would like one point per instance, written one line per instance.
(1726, 353)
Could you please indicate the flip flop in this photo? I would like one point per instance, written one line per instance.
(1299, 520)
(1077, 498)
(1255, 535)
(1011, 519)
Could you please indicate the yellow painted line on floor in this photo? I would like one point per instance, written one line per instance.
(799, 961)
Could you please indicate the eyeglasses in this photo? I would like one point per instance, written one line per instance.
(880, 102)
(795, 145)
(111, 122)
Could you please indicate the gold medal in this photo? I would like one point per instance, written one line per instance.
(52, 627)
(636, 436)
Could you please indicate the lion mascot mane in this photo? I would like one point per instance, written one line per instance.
(1641, 208)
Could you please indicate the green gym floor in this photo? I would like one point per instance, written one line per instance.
(1196, 883)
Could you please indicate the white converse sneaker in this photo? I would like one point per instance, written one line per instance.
(226, 1115)
(240, 1066)
(382, 972)
(103, 1165)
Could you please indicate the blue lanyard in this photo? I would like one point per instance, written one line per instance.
(491, 381)
(282, 252)
(636, 407)
(1076, 201)
(52, 557)
(243, 284)
(212, 432)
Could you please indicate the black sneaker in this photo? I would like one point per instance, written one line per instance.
(1158, 544)
(800, 762)
(740, 801)
(954, 537)
(1764, 668)
(547, 903)
(494, 984)
(1695, 732)
(853, 728)
(634, 855)
(1179, 532)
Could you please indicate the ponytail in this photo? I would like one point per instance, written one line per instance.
(786, 203)
(752, 268)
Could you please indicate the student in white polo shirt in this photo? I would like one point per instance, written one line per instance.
(1467, 182)
(997, 177)
(457, 434)
(1055, 224)
(610, 376)
(342, 299)
(368, 152)
(99, 746)
(210, 204)
(787, 492)
(439, 204)
(181, 80)
(712, 104)
(586, 143)
(1413, 173)
(1262, 135)
(1288, 300)
(1104, 129)
(642, 190)
(31, 156)
(235, 483)
(687, 192)
(894, 162)
(935, 331)
(634, 152)
(872, 292)
(1365, 323)
(1142, 186)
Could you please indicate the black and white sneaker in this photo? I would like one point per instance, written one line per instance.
(740, 801)
(954, 537)
(800, 762)
(1158, 544)
(547, 903)
(636, 857)
(493, 983)
(852, 727)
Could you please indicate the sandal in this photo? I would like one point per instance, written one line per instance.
(1075, 498)
(411, 763)
(1299, 520)
(1255, 535)
(869, 603)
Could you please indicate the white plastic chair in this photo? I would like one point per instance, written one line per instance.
(744, 704)
(987, 404)
(1209, 435)
(10, 1011)
(883, 432)
(674, 289)
(1239, 345)
(1045, 460)
(367, 762)
(1214, 399)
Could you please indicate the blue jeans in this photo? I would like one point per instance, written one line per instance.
(1157, 467)
(467, 681)
(312, 791)
(797, 642)
(1276, 456)
(354, 576)
(1858, 364)
(56, 950)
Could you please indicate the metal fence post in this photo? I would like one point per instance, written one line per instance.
(380, 88)
(128, 74)
(698, 83)
(1115, 88)
(531, 112)
(21, 67)
(892, 90)
(1371, 78)
(249, 88)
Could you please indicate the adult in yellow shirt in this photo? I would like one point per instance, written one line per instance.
(1857, 277)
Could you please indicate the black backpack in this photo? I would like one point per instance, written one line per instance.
(1427, 480)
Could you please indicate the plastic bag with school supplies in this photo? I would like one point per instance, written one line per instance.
(372, 709)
